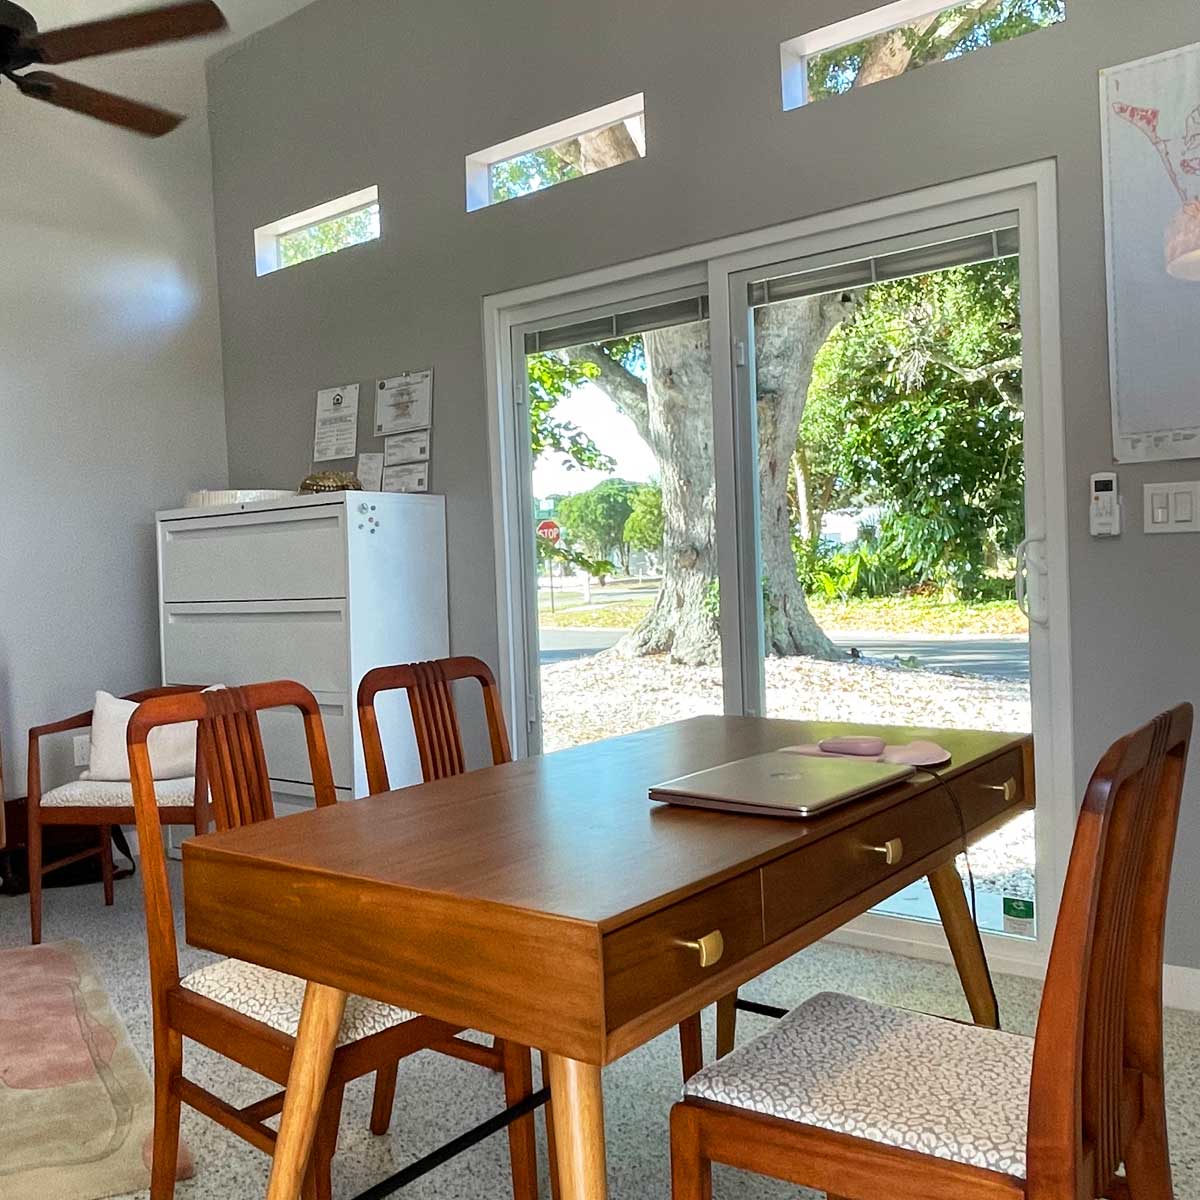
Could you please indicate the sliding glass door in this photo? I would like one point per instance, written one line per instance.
(800, 476)
(620, 536)
(889, 437)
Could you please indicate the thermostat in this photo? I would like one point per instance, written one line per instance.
(1105, 514)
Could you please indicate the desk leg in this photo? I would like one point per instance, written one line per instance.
(316, 1039)
(965, 944)
(578, 1102)
(726, 1023)
(691, 1046)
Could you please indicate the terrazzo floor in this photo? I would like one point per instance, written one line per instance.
(438, 1097)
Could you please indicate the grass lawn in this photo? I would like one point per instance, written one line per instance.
(884, 614)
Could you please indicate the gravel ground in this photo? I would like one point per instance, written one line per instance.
(609, 694)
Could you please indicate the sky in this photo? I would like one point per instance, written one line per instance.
(590, 409)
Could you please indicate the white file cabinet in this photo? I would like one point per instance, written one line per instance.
(319, 589)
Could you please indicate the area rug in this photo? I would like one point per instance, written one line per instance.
(76, 1104)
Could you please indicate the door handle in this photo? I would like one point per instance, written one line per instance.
(1027, 562)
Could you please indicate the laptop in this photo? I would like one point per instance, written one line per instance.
(780, 784)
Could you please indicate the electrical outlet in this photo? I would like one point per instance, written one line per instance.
(83, 749)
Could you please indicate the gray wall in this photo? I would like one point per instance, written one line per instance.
(341, 95)
(111, 401)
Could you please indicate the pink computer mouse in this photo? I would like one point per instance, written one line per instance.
(917, 754)
(859, 745)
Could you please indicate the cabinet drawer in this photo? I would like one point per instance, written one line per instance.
(287, 751)
(305, 640)
(992, 787)
(255, 556)
(811, 881)
(647, 963)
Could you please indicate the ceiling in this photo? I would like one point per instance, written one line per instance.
(172, 75)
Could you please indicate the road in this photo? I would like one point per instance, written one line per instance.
(995, 657)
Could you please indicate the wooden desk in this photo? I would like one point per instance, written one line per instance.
(549, 902)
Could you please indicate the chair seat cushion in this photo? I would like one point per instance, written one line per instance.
(275, 999)
(107, 793)
(885, 1075)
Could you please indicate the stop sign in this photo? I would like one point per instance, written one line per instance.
(550, 531)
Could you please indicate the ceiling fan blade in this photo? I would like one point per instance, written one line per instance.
(127, 32)
(92, 102)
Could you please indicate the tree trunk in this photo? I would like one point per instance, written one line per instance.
(606, 148)
(672, 411)
(787, 338)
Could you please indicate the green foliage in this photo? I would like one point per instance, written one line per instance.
(915, 407)
(549, 552)
(958, 30)
(862, 569)
(644, 528)
(329, 236)
(530, 173)
(553, 376)
(596, 519)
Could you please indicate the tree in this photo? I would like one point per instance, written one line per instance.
(644, 529)
(915, 406)
(662, 380)
(596, 519)
(944, 34)
(328, 236)
(552, 377)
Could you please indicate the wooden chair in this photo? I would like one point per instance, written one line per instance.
(246, 1012)
(439, 744)
(434, 716)
(866, 1101)
(100, 804)
(3, 831)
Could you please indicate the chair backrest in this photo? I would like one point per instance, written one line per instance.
(434, 716)
(1100, 1026)
(231, 752)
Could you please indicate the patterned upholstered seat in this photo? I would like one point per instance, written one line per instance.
(275, 999)
(886, 1075)
(106, 793)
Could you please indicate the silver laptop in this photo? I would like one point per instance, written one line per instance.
(780, 784)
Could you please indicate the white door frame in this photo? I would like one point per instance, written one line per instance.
(1031, 192)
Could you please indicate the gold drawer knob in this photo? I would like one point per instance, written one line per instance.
(892, 851)
(710, 948)
(1008, 787)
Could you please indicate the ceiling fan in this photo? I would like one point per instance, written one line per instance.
(22, 46)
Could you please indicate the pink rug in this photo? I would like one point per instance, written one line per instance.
(76, 1104)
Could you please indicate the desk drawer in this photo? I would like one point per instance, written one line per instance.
(809, 882)
(647, 963)
(992, 787)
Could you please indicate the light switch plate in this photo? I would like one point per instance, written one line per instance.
(1171, 507)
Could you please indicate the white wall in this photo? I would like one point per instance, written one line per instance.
(342, 95)
(111, 400)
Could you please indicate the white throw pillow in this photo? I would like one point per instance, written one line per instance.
(172, 747)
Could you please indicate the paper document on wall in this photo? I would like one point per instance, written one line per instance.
(336, 434)
(406, 448)
(404, 402)
(370, 471)
(409, 478)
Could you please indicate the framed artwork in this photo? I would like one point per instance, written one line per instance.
(1150, 130)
